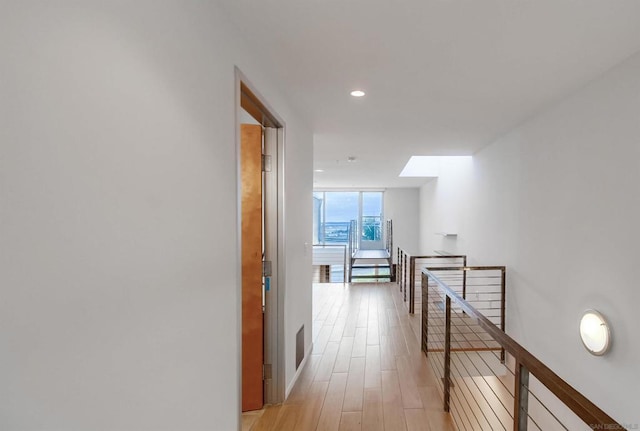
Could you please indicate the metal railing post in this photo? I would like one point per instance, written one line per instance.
(425, 313)
(447, 355)
(464, 279)
(344, 266)
(503, 291)
(412, 284)
(397, 270)
(521, 399)
(400, 269)
(349, 251)
(404, 276)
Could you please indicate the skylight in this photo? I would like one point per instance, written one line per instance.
(429, 166)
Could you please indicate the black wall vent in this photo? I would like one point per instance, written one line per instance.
(299, 346)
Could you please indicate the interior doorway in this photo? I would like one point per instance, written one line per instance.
(371, 220)
(260, 153)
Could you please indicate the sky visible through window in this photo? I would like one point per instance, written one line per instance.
(372, 204)
(334, 211)
(341, 206)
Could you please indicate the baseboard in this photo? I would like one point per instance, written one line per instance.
(307, 353)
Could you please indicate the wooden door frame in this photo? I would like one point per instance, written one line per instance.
(274, 322)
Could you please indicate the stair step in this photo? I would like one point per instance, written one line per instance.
(385, 276)
(370, 266)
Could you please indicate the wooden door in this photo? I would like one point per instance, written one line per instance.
(252, 316)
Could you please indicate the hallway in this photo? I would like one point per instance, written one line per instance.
(366, 371)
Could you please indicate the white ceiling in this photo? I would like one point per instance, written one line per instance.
(442, 77)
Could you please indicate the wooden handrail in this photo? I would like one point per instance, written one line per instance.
(437, 256)
(410, 272)
(591, 414)
(463, 268)
(412, 278)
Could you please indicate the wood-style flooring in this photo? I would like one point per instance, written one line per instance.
(366, 371)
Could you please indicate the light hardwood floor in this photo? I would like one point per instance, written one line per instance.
(366, 371)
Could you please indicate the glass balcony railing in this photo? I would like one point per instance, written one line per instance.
(335, 232)
(371, 228)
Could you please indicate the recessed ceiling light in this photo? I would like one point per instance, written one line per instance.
(357, 93)
(318, 170)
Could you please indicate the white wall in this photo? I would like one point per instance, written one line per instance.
(118, 221)
(298, 249)
(556, 200)
(401, 205)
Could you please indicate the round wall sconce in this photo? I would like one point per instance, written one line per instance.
(594, 332)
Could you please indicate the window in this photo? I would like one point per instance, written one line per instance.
(333, 212)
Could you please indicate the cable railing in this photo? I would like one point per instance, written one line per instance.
(326, 257)
(353, 237)
(388, 238)
(352, 247)
(410, 268)
(487, 380)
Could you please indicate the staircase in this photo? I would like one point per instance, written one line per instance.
(371, 265)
